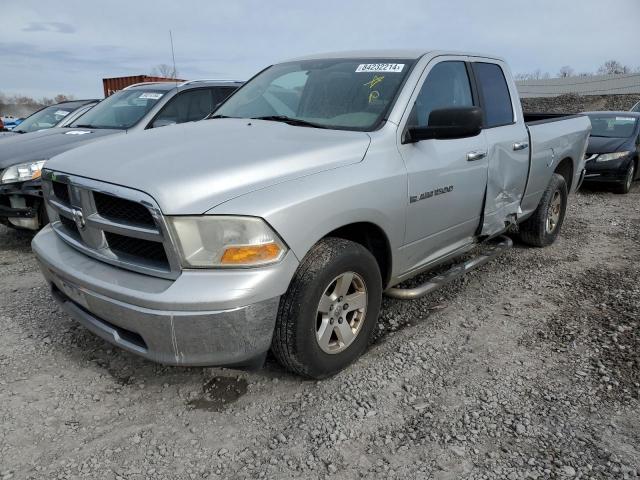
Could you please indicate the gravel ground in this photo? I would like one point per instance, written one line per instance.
(527, 368)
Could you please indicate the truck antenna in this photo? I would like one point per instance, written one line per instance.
(173, 56)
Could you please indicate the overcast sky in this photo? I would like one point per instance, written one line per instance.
(68, 46)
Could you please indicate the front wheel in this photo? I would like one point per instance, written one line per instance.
(625, 186)
(328, 314)
(543, 227)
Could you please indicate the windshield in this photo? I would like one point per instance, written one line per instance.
(121, 110)
(351, 94)
(636, 107)
(612, 126)
(46, 118)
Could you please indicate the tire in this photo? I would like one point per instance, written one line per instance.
(540, 230)
(625, 186)
(6, 223)
(298, 341)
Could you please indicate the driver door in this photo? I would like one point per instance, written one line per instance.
(446, 178)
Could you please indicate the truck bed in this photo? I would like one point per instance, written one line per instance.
(553, 138)
(536, 118)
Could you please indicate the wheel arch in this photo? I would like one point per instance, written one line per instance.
(566, 169)
(374, 239)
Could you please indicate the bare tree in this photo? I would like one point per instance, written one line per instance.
(613, 67)
(164, 70)
(535, 75)
(566, 71)
(61, 97)
(21, 105)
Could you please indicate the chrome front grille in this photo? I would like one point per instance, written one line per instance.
(122, 210)
(116, 225)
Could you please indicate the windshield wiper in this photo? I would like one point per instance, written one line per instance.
(291, 121)
(220, 116)
(84, 126)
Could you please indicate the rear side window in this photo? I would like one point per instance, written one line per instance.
(220, 94)
(188, 106)
(496, 101)
(446, 86)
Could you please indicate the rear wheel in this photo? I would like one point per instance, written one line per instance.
(328, 314)
(625, 186)
(543, 227)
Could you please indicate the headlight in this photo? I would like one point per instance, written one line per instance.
(23, 172)
(611, 156)
(225, 241)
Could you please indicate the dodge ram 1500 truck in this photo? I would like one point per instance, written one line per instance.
(279, 222)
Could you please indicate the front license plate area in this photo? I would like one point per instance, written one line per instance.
(70, 290)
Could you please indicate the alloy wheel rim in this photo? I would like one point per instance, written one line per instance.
(629, 179)
(341, 312)
(553, 214)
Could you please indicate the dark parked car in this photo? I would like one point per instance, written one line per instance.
(49, 117)
(136, 108)
(614, 150)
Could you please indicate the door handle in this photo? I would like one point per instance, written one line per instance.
(520, 146)
(473, 156)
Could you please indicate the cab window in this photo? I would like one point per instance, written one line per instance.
(446, 86)
(494, 91)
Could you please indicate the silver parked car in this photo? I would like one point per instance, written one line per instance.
(320, 184)
(136, 108)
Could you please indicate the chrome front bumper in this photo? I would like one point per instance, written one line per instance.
(204, 317)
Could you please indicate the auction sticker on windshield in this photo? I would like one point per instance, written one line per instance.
(380, 67)
(62, 113)
(150, 95)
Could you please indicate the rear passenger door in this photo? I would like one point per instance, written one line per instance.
(508, 146)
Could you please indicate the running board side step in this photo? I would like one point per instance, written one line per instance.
(502, 244)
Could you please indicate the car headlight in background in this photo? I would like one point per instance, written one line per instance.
(225, 241)
(23, 172)
(606, 157)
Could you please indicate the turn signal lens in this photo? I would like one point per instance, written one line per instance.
(23, 172)
(250, 254)
(211, 241)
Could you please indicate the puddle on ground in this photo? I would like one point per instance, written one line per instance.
(218, 393)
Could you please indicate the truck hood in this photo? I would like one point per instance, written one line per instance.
(44, 144)
(191, 168)
(609, 145)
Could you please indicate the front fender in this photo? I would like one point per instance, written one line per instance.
(305, 210)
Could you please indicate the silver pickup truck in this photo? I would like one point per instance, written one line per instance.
(279, 223)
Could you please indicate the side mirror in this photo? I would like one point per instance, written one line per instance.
(162, 123)
(448, 123)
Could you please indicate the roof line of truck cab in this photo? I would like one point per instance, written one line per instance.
(408, 54)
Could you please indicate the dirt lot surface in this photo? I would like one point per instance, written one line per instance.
(527, 368)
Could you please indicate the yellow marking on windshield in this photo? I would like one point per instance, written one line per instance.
(374, 81)
(374, 96)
